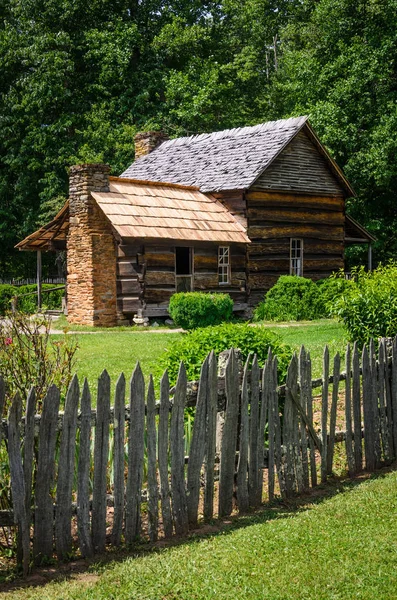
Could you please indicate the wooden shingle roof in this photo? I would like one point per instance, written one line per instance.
(224, 160)
(142, 209)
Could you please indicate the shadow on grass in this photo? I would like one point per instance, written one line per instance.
(87, 569)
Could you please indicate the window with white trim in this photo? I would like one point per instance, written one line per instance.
(296, 257)
(223, 264)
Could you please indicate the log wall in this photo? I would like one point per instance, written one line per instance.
(146, 275)
(276, 217)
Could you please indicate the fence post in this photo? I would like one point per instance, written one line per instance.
(83, 475)
(63, 514)
(334, 407)
(256, 438)
(153, 500)
(28, 448)
(348, 414)
(197, 447)
(177, 444)
(324, 415)
(242, 468)
(229, 438)
(163, 454)
(101, 452)
(358, 450)
(21, 517)
(44, 513)
(303, 386)
(118, 459)
(212, 407)
(135, 456)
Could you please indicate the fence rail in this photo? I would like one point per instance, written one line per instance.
(19, 282)
(264, 441)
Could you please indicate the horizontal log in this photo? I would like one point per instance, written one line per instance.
(238, 278)
(129, 287)
(128, 250)
(126, 268)
(279, 199)
(163, 278)
(157, 259)
(152, 295)
(269, 264)
(262, 281)
(205, 281)
(298, 230)
(314, 246)
(128, 305)
(205, 262)
(294, 215)
(322, 264)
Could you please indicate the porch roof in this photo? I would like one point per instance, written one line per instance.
(51, 236)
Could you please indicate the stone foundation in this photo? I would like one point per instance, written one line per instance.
(91, 250)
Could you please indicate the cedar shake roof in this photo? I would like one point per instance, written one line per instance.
(224, 160)
(143, 209)
(44, 238)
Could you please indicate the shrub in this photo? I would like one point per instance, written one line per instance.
(28, 304)
(292, 298)
(368, 306)
(194, 347)
(331, 290)
(6, 294)
(197, 309)
(30, 356)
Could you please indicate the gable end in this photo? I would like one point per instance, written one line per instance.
(300, 168)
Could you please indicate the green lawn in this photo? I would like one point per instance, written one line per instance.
(342, 547)
(119, 350)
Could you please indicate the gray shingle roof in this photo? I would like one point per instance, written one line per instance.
(224, 160)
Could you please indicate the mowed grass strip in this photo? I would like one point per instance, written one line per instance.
(119, 352)
(343, 547)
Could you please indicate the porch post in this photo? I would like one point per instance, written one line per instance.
(370, 256)
(38, 280)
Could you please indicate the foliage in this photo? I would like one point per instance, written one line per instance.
(194, 346)
(27, 301)
(368, 307)
(29, 356)
(197, 309)
(331, 289)
(292, 298)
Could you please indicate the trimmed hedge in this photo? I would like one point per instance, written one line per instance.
(28, 304)
(190, 310)
(195, 345)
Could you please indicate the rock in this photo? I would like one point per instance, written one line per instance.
(155, 324)
(169, 322)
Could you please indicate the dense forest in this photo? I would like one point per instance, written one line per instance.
(79, 79)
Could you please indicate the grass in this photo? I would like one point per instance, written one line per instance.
(117, 350)
(342, 547)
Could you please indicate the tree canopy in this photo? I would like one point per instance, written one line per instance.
(79, 79)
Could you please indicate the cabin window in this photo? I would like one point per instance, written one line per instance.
(223, 264)
(296, 257)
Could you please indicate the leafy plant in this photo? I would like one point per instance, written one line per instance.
(30, 357)
(194, 347)
(292, 298)
(27, 300)
(368, 307)
(197, 309)
(332, 288)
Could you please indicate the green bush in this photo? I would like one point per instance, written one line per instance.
(194, 347)
(197, 309)
(6, 294)
(292, 298)
(331, 290)
(368, 306)
(28, 304)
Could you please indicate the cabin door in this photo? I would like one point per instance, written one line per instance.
(183, 269)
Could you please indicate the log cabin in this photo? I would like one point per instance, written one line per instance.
(227, 211)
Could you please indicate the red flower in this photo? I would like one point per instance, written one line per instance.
(8, 341)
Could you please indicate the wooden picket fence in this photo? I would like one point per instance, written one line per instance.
(264, 443)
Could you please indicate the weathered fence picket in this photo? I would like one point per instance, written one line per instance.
(265, 427)
(118, 459)
(101, 452)
(44, 510)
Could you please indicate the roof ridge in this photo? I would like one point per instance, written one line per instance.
(234, 132)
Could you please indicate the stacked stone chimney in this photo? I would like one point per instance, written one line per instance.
(91, 278)
(148, 141)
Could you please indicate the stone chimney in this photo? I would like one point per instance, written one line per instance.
(148, 141)
(91, 250)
